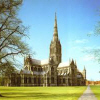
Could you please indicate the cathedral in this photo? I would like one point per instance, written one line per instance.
(52, 71)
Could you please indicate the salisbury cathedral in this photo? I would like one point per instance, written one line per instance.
(50, 72)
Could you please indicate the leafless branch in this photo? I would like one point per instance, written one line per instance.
(9, 36)
(12, 53)
(4, 23)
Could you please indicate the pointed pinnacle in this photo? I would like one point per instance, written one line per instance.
(55, 24)
(84, 68)
(55, 34)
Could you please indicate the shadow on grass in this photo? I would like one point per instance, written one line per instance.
(41, 95)
(1, 95)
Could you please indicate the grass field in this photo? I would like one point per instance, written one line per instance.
(41, 93)
(96, 91)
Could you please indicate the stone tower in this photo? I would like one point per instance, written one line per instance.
(73, 75)
(84, 73)
(55, 55)
(27, 62)
(55, 46)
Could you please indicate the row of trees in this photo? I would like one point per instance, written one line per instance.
(12, 31)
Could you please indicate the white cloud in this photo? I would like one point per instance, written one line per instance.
(76, 48)
(88, 48)
(88, 57)
(81, 41)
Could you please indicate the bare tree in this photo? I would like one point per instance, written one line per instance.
(96, 51)
(12, 33)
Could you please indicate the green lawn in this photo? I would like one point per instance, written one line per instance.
(96, 91)
(41, 93)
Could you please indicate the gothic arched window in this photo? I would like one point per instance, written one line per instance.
(72, 71)
(47, 80)
(35, 69)
(39, 81)
(63, 80)
(52, 68)
(52, 80)
(34, 80)
(29, 79)
(25, 80)
(31, 68)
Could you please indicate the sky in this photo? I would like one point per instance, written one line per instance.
(75, 19)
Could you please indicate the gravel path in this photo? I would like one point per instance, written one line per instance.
(88, 95)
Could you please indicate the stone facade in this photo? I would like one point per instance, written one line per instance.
(51, 72)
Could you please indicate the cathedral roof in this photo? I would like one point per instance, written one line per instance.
(25, 71)
(64, 64)
(40, 62)
(43, 62)
(40, 73)
(35, 61)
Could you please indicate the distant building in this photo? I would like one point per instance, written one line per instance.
(50, 72)
(92, 82)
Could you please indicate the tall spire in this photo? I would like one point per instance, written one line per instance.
(55, 46)
(55, 34)
(84, 68)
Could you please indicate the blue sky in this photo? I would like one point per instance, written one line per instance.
(75, 18)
